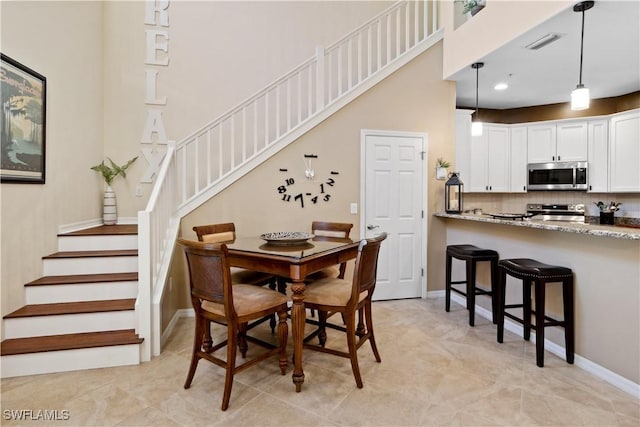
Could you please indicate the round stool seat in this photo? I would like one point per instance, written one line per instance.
(530, 268)
(469, 251)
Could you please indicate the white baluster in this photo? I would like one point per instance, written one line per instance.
(320, 84)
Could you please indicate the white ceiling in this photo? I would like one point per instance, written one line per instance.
(611, 64)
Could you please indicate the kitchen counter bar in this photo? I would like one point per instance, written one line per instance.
(605, 261)
(612, 231)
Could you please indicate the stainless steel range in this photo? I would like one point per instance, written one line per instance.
(556, 212)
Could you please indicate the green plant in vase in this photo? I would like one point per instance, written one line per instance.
(471, 6)
(441, 168)
(109, 173)
(607, 211)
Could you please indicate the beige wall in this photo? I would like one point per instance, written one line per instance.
(413, 99)
(63, 42)
(499, 22)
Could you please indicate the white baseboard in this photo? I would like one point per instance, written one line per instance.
(81, 225)
(185, 312)
(75, 226)
(436, 294)
(127, 220)
(601, 372)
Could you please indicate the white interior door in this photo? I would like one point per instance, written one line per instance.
(393, 201)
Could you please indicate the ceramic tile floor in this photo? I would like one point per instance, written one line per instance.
(435, 371)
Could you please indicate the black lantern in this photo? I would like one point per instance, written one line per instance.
(453, 194)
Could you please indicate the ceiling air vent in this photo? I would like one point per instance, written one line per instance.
(543, 41)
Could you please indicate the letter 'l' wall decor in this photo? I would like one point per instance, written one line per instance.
(156, 21)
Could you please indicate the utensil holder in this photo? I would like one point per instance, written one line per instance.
(606, 218)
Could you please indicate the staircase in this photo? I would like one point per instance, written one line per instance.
(210, 159)
(80, 314)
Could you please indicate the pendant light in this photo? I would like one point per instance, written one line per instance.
(476, 124)
(580, 95)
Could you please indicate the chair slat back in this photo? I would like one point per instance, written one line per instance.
(366, 268)
(209, 273)
(322, 229)
(216, 233)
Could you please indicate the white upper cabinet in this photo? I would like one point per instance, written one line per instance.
(561, 142)
(571, 143)
(463, 145)
(497, 160)
(541, 143)
(598, 155)
(518, 182)
(490, 161)
(624, 152)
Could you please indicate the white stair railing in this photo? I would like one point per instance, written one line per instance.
(235, 142)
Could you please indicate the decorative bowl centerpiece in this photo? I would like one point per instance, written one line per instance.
(286, 237)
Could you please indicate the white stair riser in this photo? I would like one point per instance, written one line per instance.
(90, 265)
(94, 243)
(24, 327)
(69, 360)
(47, 294)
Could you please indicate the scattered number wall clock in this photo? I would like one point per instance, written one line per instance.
(308, 188)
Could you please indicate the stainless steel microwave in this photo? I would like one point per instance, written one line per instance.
(557, 176)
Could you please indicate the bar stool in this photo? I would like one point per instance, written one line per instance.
(532, 271)
(471, 255)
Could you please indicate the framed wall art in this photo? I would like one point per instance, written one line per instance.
(22, 123)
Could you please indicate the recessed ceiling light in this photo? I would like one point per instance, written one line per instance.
(501, 86)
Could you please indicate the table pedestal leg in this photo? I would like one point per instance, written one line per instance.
(297, 322)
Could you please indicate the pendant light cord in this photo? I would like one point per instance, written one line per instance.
(581, 48)
(477, 84)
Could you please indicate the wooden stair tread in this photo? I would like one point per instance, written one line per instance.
(73, 308)
(84, 278)
(68, 342)
(89, 254)
(105, 230)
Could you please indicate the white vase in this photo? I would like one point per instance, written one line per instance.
(109, 208)
(441, 173)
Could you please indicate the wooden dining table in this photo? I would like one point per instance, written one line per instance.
(295, 263)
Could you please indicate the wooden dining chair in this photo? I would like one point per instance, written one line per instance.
(322, 230)
(335, 295)
(215, 299)
(225, 233)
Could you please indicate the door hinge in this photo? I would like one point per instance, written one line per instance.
(422, 213)
(422, 155)
(422, 272)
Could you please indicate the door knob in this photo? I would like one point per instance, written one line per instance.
(371, 227)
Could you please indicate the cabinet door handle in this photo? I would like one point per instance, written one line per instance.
(524, 187)
(558, 157)
(553, 157)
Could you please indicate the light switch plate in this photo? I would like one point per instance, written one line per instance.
(354, 208)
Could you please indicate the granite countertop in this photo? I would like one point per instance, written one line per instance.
(620, 231)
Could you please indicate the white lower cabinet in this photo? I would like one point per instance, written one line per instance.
(624, 152)
(489, 161)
